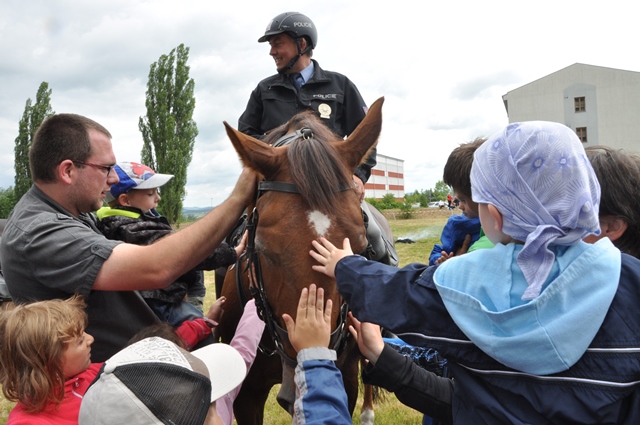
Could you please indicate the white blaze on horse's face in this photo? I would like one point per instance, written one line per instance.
(319, 222)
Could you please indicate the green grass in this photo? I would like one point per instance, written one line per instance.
(5, 408)
(424, 229)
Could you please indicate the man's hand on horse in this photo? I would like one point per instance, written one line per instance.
(312, 327)
(245, 187)
(328, 255)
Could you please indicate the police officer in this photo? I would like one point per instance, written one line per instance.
(301, 84)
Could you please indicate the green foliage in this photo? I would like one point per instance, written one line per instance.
(388, 201)
(406, 209)
(31, 119)
(441, 190)
(168, 130)
(7, 201)
(419, 197)
(374, 202)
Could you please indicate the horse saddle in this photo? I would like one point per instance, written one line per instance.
(379, 247)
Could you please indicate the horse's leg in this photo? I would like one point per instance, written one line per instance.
(287, 395)
(263, 375)
(366, 414)
(348, 365)
(220, 274)
(249, 404)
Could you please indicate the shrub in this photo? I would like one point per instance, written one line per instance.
(406, 210)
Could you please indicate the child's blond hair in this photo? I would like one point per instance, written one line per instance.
(33, 338)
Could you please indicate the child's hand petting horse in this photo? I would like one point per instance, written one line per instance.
(328, 255)
(312, 327)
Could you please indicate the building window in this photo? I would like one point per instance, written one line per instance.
(582, 134)
(578, 103)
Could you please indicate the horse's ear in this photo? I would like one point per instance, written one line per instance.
(254, 153)
(364, 138)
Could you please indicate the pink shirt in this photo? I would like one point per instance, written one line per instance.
(245, 340)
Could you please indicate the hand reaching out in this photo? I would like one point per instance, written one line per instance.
(444, 257)
(462, 250)
(216, 310)
(369, 338)
(312, 327)
(465, 245)
(328, 255)
(242, 245)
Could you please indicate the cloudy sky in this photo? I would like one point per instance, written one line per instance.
(442, 66)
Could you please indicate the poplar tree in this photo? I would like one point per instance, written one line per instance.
(31, 119)
(7, 201)
(168, 129)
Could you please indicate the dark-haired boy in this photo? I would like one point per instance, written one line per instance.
(462, 230)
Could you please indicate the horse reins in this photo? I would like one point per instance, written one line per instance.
(279, 335)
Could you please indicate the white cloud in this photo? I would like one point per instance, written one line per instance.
(442, 67)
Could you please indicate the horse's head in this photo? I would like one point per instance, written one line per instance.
(308, 192)
(319, 164)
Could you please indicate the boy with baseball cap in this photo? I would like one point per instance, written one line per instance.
(140, 179)
(132, 217)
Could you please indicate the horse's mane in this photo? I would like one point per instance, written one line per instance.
(316, 167)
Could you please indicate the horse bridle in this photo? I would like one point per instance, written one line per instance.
(279, 335)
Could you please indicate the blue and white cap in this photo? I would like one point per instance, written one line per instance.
(135, 176)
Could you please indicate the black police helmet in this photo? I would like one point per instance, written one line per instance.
(295, 24)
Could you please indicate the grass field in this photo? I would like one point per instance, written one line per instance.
(424, 230)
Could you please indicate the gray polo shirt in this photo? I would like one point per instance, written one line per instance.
(48, 253)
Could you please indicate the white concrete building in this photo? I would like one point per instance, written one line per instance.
(602, 105)
(386, 177)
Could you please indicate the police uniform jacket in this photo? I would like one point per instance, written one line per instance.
(331, 95)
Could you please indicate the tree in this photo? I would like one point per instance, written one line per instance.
(406, 209)
(440, 191)
(419, 197)
(7, 201)
(388, 201)
(31, 119)
(168, 130)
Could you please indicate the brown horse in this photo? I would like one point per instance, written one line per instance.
(307, 192)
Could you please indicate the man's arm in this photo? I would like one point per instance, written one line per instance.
(135, 267)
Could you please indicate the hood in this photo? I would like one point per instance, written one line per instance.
(482, 291)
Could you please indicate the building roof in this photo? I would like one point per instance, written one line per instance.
(565, 69)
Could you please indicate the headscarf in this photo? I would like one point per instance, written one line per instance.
(539, 178)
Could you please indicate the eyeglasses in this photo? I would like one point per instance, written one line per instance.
(107, 168)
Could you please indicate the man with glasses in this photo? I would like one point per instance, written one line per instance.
(51, 247)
